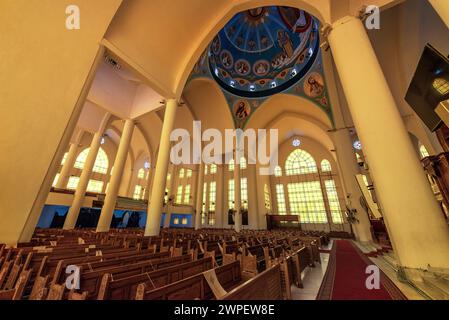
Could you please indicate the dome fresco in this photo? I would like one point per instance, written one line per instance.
(264, 51)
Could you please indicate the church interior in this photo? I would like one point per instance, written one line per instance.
(109, 109)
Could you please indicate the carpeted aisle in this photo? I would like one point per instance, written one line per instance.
(345, 277)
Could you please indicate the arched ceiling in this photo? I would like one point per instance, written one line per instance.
(284, 104)
(164, 39)
(295, 125)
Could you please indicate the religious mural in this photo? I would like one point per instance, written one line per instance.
(262, 52)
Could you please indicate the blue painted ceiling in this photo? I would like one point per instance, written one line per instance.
(264, 51)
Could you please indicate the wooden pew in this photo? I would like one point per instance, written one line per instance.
(125, 288)
(90, 281)
(16, 293)
(265, 286)
(261, 255)
(102, 263)
(195, 287)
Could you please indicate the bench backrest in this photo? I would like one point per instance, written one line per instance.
(264, 286)
(194, 287)
(125, 288)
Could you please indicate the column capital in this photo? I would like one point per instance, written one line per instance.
(342, 21)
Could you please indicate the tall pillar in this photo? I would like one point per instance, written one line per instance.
(442, 8)
(415, 224)
(114, 184)
(69, 162)
(349, 169)
(160, 176)
(237, 193)
(80, 193)
(199, 196)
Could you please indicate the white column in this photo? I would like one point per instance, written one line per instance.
(199, 195)
(114, 184)
(237, 193)
(80, 193)
(415, 224)
(349, 169)
(69, 162)
(160, 176)
(442, 8)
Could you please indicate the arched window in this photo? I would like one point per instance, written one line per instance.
(266, 191)
(141, 173)
(101, 162)
(278, 171)
(423, 151)
(326, 166)
(213, 168)
(243, 163)
(300, 162)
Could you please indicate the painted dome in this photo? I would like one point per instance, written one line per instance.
(264, 51)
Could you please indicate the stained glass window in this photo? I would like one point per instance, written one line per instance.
(179, 195)
(187, 194)
(280, 197)
(244, 192)
(73, 183)
(326, 166)
(278, 171)
(231, 195)
(101, 162)
(334, 204)
(137, 192)
(243, 163)
(141, 174)
(300, 162)
(267, 197)
(306, 200)
(231, 165)
(95, 186)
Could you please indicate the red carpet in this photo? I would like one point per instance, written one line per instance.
(345, 277)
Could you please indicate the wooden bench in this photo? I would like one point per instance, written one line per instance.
(125, 288)
(264, 286)
(102, 263)
(261, 255)
(90, 280)
(195, 287)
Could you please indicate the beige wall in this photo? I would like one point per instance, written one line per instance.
(44, 68)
